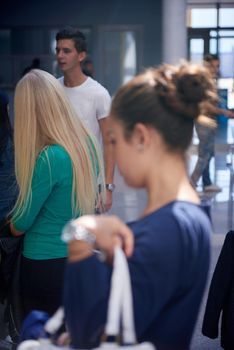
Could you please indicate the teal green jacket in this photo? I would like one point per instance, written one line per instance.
(50, 207)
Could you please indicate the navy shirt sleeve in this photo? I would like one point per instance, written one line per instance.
(86, 291)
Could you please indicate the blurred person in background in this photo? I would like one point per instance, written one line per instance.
(8, 194)
(8, 188)
(206, 132)
(36, 64)
(88, 68)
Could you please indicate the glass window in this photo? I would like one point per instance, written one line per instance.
(213, 33)
(227, 83)
(226, 53)
(129, 56)
(203, 17)
(226, 17)
(213, 46)
(196, 50)
(226, 32)
(119, 51)
(52, 44)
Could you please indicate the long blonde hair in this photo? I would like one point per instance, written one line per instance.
(44, 116)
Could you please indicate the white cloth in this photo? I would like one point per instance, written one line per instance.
(91, 102)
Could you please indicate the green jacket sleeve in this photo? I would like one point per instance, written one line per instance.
(44, 179)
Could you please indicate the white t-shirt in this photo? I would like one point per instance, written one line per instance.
(91, 102)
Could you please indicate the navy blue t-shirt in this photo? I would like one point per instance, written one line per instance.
(168, 273)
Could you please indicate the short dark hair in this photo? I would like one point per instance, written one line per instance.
(74, 34)
(211, 57)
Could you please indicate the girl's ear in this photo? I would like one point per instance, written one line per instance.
(141, 137)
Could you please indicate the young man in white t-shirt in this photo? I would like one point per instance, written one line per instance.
(89, 98)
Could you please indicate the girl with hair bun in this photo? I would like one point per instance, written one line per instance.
(57, 165)
(168, 247)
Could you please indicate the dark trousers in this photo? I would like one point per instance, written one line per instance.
(206, 181)
(206, 137)
(41, 284)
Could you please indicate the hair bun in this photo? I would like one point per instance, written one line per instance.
(182, 88)
(191, 87)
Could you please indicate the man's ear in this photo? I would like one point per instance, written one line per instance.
(82, 56)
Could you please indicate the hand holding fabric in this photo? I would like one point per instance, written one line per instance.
(109, 232)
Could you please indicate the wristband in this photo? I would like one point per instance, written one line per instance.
(110, 187)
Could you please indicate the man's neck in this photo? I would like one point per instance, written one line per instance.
(72, 79)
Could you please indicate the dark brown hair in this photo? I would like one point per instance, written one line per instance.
(211, 57)
(168, 98)
(74, 34)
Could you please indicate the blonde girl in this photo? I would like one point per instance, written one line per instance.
(57, 169)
